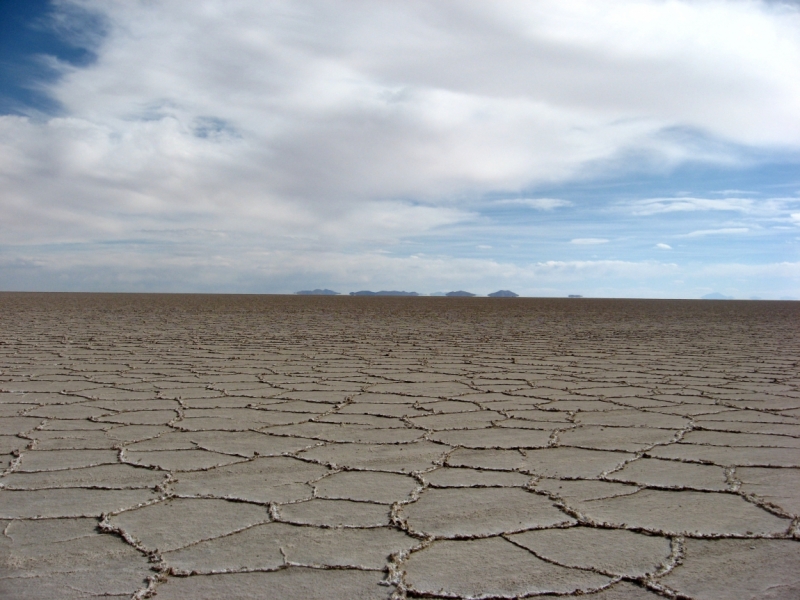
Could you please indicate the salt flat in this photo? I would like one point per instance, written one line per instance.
(199, 447)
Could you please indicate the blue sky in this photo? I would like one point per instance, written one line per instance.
(634, 148)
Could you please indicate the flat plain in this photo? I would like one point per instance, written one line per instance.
(211, 446)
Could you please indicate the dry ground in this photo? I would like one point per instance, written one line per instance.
(345, 448)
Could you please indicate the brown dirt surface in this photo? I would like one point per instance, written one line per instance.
(210, 446)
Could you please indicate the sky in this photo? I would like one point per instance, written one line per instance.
(629, 148)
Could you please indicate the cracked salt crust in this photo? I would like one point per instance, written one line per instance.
(211, 446)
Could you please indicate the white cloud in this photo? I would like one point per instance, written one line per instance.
(388, 221)
(588, 241)
(734, 192)
(537, 203)
(654, 206)
(758, 207)
(320, 102)
(723, 231)
(662, 246)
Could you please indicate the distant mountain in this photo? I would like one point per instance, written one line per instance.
(459, 294)
(503, 294)
(317, 293)
(383, 293)
(716, 296)
(574, 296)
(437, 294)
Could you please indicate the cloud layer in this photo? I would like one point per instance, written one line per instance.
(311, 127)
